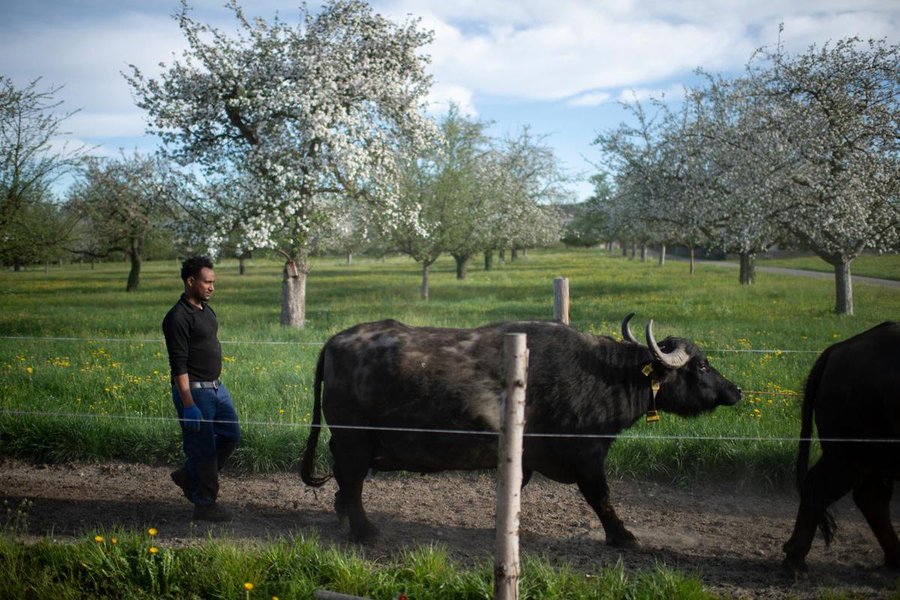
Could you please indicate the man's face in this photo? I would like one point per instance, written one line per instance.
(201, 288)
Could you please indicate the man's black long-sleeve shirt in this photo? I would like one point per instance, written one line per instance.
(191, 341)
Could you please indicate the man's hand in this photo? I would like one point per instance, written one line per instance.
(192, 417)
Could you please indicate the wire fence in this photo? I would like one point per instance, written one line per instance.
(300, 425)
(322, 343)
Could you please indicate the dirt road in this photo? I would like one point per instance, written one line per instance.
(728, 534)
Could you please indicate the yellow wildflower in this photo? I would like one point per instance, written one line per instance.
(98, 539)
(152, 531)
(153, 549)
(248, 586)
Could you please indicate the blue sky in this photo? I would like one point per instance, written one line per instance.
(560, 66)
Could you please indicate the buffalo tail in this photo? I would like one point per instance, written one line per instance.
(308, 463)
(826, 524)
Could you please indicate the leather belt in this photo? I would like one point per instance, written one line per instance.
(196, 385)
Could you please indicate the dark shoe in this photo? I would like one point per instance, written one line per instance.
(211, 512)
(181, 479)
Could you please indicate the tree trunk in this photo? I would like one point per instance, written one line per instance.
(242, 262)
(514, 253)
(488, 260)
(293, 293)
(134, 275)
(461, 263)
(748, 268)
(426, 269)
(349, 258)
(643, 252)
(843, 286)
(17, 265)
(503, 255)
(633, 249)
(693, 261)
(624, 249)
(662, 255)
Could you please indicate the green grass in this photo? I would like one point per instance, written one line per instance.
(121, 565)
(104, 394)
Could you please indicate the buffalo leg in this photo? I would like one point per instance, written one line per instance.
(596, 492)
(873, 497)
(352, 456)
(827, 481)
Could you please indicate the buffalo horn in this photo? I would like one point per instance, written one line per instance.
(626, 330)
(675, 359)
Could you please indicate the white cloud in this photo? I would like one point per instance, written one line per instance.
(442, 96)
(107, 125)
(86, 58)
(673, 92)
(557, 49)
(590, 99)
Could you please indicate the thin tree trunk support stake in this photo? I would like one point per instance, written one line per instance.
(561, 300)
(509, 471)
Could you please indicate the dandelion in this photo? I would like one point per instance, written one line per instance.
(98, 539)
(113, 541)
(152, 531)
(153, 550)
(29, 370)
(248, 586)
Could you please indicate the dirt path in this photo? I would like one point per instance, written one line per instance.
(726, 533)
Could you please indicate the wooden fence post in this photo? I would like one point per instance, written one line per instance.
(561, 300)
(509, 468)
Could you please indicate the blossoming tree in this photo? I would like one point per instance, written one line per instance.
(836, 110)
(311, 113)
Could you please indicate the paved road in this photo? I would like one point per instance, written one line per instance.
(801, 273)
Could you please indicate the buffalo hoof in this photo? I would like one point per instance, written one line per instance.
(368, 534)
(794, 566)
(624, 540)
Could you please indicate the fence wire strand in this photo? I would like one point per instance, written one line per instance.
(621, 436)
(489, 433)
(31, 338)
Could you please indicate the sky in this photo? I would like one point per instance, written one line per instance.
(560, 67)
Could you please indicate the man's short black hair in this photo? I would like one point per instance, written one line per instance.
(192, 266)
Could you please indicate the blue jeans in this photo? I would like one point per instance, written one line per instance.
(218, 429)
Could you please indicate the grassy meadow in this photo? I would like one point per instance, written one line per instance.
(84, 374)
(121, 564)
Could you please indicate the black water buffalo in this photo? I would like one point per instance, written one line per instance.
(854, 391)
(417, 388)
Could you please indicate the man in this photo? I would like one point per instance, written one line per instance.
(209, 424)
